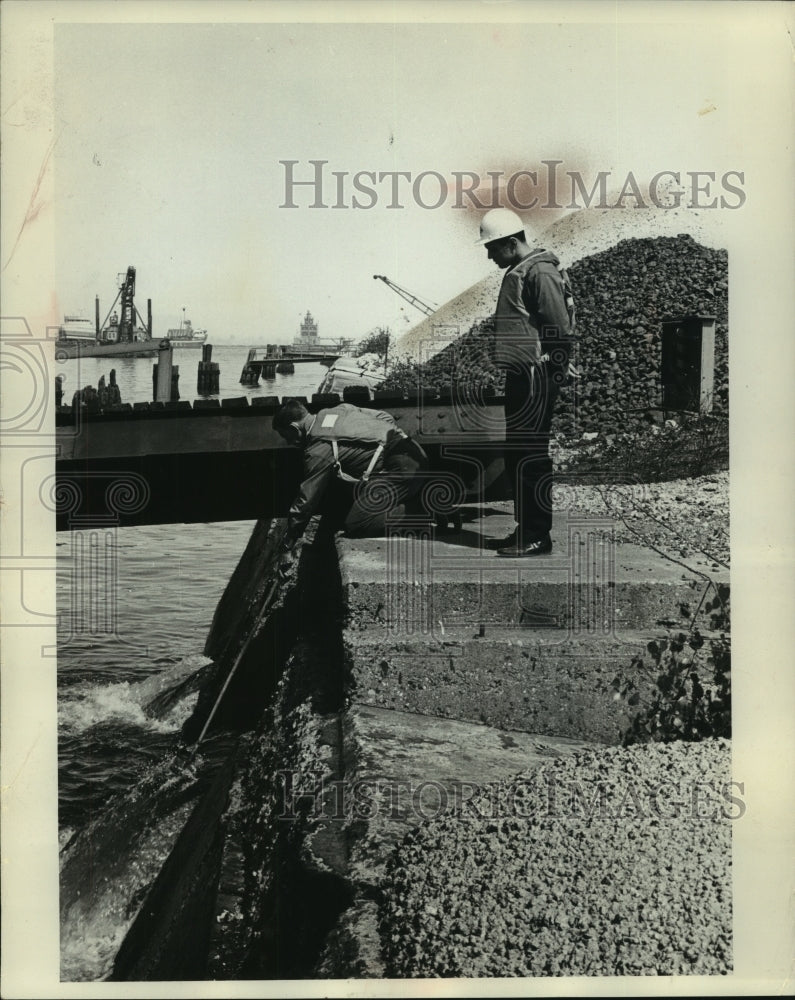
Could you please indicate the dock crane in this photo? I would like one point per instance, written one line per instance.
(129, 311)
(414, 300)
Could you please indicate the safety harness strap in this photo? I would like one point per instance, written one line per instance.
(367, 472)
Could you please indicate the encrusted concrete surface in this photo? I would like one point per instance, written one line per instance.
(587, 581)
(353, 949)
(464, 669)
(542, 681)
(402, 769)
(423, 677)
(446, 627)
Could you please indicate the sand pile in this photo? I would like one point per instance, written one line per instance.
(612, 862)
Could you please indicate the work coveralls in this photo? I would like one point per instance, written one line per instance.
(372, 506)
(533, 339)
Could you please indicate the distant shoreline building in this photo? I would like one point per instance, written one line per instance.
(308, 336)
(309, 342)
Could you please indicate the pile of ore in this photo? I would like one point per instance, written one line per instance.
(611, 862)
(622, 295)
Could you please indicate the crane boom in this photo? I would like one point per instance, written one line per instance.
(413, 300)
(127, 324)
(129, 310)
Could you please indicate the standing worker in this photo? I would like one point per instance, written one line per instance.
(360, 469)
(533, 334)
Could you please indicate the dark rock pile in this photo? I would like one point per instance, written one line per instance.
(610, 862)
(622, 295)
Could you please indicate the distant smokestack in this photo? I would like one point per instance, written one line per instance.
(149, 315)
(96, 314)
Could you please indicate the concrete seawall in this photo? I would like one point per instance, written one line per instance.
(398, 679)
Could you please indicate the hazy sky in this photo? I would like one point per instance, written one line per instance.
(170, 137)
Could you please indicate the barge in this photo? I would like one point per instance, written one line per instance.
(123, 332)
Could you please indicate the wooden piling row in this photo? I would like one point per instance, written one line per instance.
(109, 395)
(93, 400)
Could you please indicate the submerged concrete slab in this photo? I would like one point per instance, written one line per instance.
(589, 582)
(538, 681)
(401, 769)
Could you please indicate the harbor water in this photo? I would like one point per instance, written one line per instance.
(134, 375)
(135, 606)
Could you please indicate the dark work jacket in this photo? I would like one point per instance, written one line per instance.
(358, 433)
(531, 317)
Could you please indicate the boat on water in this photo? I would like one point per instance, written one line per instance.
(77, 329)
(77, 338)
(124, 332)
(185, 335)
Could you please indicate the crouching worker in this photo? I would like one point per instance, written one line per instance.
(360, 470)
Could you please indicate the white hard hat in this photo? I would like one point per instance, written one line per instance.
(497, 224)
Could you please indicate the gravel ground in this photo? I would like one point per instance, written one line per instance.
(680, 518)
(611, 862)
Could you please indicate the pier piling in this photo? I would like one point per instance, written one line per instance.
(114, 393)
(165, 375)
(92, 400)
(251, 371)
(209, 373)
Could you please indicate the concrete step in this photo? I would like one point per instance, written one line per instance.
(543, 681)
(589, 583)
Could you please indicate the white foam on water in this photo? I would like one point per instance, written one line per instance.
(86, 705)
(95, 923)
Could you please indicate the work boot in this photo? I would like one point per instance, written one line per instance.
(534, 547)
